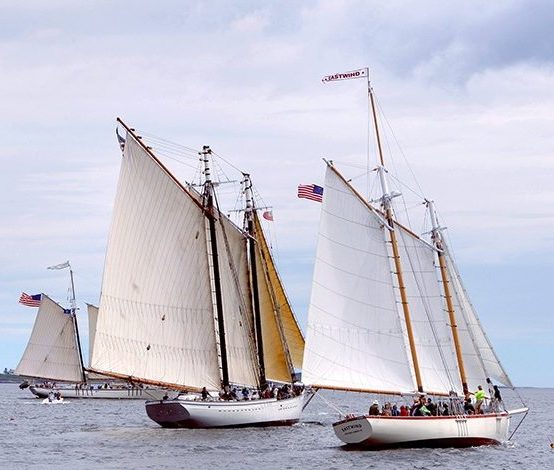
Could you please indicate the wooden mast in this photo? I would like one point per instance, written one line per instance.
(254, 278)
(387, 197)
(437, 238)
(210, 213)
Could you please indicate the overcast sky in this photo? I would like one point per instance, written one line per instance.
(466, 87)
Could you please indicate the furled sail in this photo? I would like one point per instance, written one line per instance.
(52, 352)
(480, 360)
(282, 338)
(355, 339)
(155, 320)
(432, 334)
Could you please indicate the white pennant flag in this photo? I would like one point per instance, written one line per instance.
(360, 73)
(59, 266)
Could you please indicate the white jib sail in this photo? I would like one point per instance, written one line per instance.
(155, 318)
(480, 360)
(52, 352)
(92, 311)
(432, 334)
(354, 337)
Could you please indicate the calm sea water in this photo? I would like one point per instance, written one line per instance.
(105, 434)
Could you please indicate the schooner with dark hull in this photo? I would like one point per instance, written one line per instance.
(190, 300)
(389, 315)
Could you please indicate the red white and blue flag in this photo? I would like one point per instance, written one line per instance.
(30, 300)
(310, 191)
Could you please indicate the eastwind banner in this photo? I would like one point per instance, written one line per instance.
(360, 73)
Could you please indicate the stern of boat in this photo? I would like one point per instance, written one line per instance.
(168, 413)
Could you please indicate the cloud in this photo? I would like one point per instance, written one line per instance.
(467, 89)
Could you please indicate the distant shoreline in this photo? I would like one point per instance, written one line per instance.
(10, 378)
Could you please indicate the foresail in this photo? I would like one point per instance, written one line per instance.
(354, 338)
(282, 338)
(52, 352)
(237, 311)
(432, 334)
(480, 360)
(92, 311)
(155, 318)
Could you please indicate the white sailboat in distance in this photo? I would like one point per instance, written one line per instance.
(191, 301)
(53, 358)
(389, 315)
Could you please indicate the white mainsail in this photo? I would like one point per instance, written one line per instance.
(155, 319)
(432, 334)
(355, 338)
(52, 352)
(480, 360)
(237, 313)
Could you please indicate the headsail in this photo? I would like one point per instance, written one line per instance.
(480, 360)
(52, 352)
(155, 319)
(92, 311)
(283, 340)
(355, 339)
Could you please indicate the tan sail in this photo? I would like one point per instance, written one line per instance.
(283, 339)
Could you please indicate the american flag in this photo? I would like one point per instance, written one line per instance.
(310, 191)
(30, 300)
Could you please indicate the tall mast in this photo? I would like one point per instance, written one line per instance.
(437, 239)
(387, 204)
(73, 303)
(254, 276)
(210, 213)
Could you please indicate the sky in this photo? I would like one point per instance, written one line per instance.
(465, 92)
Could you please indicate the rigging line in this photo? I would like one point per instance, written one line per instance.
(228, 162)
(519, 424)
(329, 404)
(405, 185)
(180, 162)
(169, 142)
(169, 148)
(397, 143)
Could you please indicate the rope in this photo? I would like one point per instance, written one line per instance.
(517, 427)
(329, 404)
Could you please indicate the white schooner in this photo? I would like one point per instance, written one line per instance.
(53, 358)
(389, 315)
(190, 300)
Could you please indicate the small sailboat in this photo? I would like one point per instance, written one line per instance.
(389, 315)
(191, 301)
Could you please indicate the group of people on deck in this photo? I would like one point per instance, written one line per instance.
(269, 391)
(423, 406)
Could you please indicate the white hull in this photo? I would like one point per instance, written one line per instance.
(102, 393)
(430, 431)
(183, 413)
